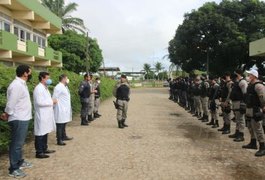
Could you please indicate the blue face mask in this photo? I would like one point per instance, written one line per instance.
(48, 82)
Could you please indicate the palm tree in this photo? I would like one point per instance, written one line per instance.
(147, 69)
(64, 11)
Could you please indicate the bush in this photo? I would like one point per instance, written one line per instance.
(8, 74)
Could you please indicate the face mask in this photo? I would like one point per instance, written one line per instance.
(67, 81)
(247, 79)
(29, 77)
(48, 82)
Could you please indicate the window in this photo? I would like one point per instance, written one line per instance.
(22, 35)
(7, 27)
(43, 43)
(16, 31)
(1, 25)
(34, 38)
(28, 36)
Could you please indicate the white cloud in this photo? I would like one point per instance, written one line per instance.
(134, 32)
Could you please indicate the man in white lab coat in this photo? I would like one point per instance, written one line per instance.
(62, 110)
(44, 116)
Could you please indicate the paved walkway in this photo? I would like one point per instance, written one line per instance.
(162, 142)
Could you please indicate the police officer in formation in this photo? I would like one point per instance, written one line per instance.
(86, 93)
(232, 97)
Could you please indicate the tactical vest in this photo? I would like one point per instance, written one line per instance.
(236, 94)
(123, 92)
(204, 90)
(225, 91)
(252, 98)
(86, 90)
(196, 91)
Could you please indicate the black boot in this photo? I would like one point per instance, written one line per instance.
(234, 135)
(263, 128)
(84, 121)
(206, 118)
(240, 137)
(223, 128)
(216, 124)
(227, 130)
(210, 123)
(123, 123)
(202, 117)
(251, 145)
(120, 125)
(90, 118)
(261, 151)
(195, 115)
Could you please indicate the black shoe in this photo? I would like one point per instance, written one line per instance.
(49, 151)
(123, 123)
(210, 123)
(42, 156)
(251, 145)
(120, 125)
(61, 143)
(206, 118)
(67, 138)
(234, 135)
(240, 137)
(195, 115)
(96, 115)
(84, 121)
(261, 151)
(223, 128)
(227, 130)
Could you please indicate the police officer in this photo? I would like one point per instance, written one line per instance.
(226, 104)
(122, 93)
(91, 99)
(97, 98)
(84, 93)
(204, 88)
(239, 90)
(255, 101)
(214, 102)
(197, 101)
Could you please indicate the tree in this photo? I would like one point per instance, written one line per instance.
(158, 68)
(73, 47)
(219, 32)
(64, 11)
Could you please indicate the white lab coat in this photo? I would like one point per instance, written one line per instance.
(63, 109)
(44, 116)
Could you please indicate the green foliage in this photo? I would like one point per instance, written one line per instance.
(8, 74)
(73, 46)
(64, 11)
(221, 31)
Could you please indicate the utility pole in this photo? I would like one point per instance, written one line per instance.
(87, 54)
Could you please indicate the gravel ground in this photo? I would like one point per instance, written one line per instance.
(162, 142)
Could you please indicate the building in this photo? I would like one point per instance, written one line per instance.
(24, 28)
(257, 48)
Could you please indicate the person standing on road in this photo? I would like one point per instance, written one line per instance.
(226, 104)
(122, 94)
(18, 113)
(91, 100)
(97, 98)
(239, 90)
(84, 93)
(197, 101)
(204, 90)
(255, 102)
(63, 109)
(44, 122)
(214, 102)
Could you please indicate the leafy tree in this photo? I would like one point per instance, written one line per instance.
(64, 11)
(73, 47)
(158, 68)
(222, 32)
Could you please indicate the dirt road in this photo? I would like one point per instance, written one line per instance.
(162, 142)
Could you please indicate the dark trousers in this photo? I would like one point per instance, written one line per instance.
(60, 131)
(19, 131)
(41, 144)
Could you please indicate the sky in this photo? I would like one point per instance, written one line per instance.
(133, 32)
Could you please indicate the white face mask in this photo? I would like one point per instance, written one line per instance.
(67, 81)
(247, 79)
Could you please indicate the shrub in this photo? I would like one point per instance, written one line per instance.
(8, 74)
